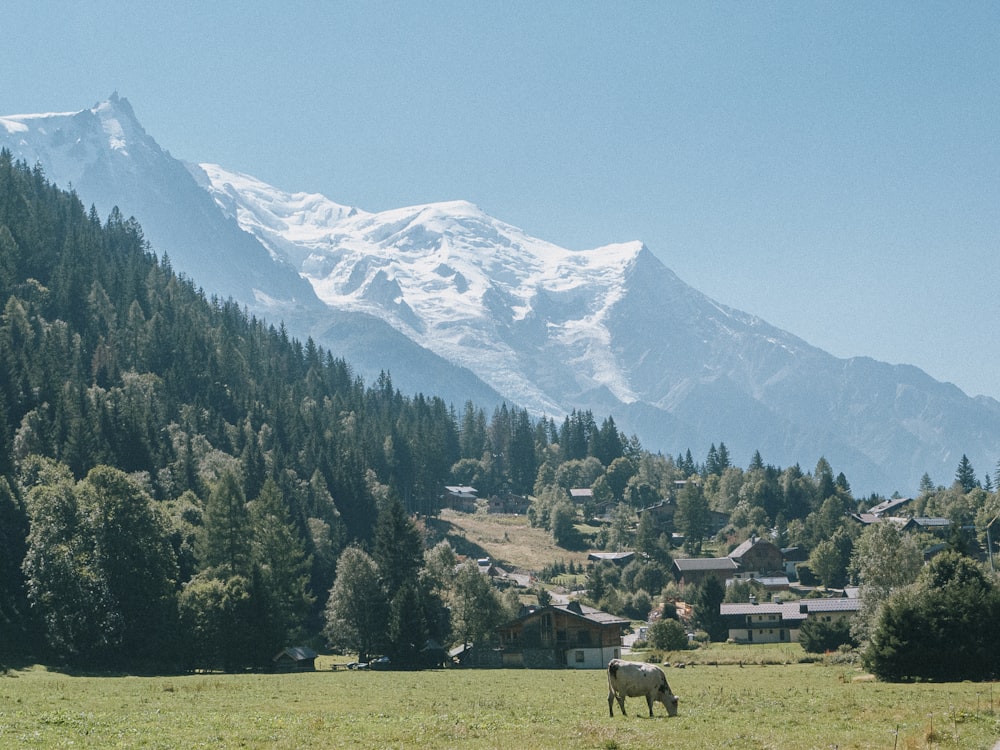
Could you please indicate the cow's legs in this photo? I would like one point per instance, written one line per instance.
(611, 702)
(649, 701)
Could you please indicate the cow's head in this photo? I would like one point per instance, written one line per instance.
(668, 699)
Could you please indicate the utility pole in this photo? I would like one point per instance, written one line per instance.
(989, 543)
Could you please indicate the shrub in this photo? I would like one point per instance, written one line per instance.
(668, 635)
(818, 637)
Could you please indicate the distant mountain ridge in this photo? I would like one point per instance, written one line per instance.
(456, 303)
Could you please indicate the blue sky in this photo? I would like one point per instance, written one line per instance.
(831, 167)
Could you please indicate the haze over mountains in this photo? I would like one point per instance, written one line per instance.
(455, 303)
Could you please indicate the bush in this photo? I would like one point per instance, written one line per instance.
(668, 635)
(637, 605)
(805, 574)
(818, 637)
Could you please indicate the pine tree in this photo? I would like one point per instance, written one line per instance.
(398, 550)
(223, 547)
(280, 558)
(965, 476)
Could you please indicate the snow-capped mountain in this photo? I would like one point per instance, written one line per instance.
(477, 291)
(105, 155)
(456, 303)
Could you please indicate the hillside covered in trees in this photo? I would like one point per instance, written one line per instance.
(179, 480)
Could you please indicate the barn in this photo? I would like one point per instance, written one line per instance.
(295, 659)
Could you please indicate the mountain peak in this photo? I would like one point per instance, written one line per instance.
(119, 122)
(457, 302)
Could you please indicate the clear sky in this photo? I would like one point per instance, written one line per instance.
(831, 167)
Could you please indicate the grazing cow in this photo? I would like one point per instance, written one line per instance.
(629, 679)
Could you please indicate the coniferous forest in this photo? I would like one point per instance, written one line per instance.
(150, 437)
(180, 481)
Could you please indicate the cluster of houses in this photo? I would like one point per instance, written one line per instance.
(466, 500)
(571, 634)
(577, 636)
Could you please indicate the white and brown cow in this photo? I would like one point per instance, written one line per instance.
(629, 679)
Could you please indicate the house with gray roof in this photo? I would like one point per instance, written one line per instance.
(891, 504)
(779, 622)
(694, 570)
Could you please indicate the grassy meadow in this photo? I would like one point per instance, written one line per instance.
(756, 705)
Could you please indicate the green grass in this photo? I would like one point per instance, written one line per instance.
(749, 707)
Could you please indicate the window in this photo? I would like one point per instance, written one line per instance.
(579, 657)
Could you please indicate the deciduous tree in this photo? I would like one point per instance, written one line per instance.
(357, 610)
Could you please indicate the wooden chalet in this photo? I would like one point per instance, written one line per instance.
(562, 635)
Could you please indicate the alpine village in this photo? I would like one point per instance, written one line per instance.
(187, 488)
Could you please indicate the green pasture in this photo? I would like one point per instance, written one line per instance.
(722, 706)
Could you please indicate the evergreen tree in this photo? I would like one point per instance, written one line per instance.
(222, 546)
(914, 635)
(723, 460)
(926, 485)
(398, 552)
(712, 461)
(692, 517)
(706, 602)
(13, 601)
(965, 476)
(407, 629)
(280, 560)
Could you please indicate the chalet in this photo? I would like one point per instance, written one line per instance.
(460, 497)
(661, 512)
(581, 495)
(295, 659)
(779, 622)
(939, 526)
(694, 570)
(792, 556)
(497, 575)
(755, 559)
(507, 503)
(618, 558)
(562, 635)
(758, 556)
(886, 506)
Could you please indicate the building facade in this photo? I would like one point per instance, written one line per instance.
(562, 635)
